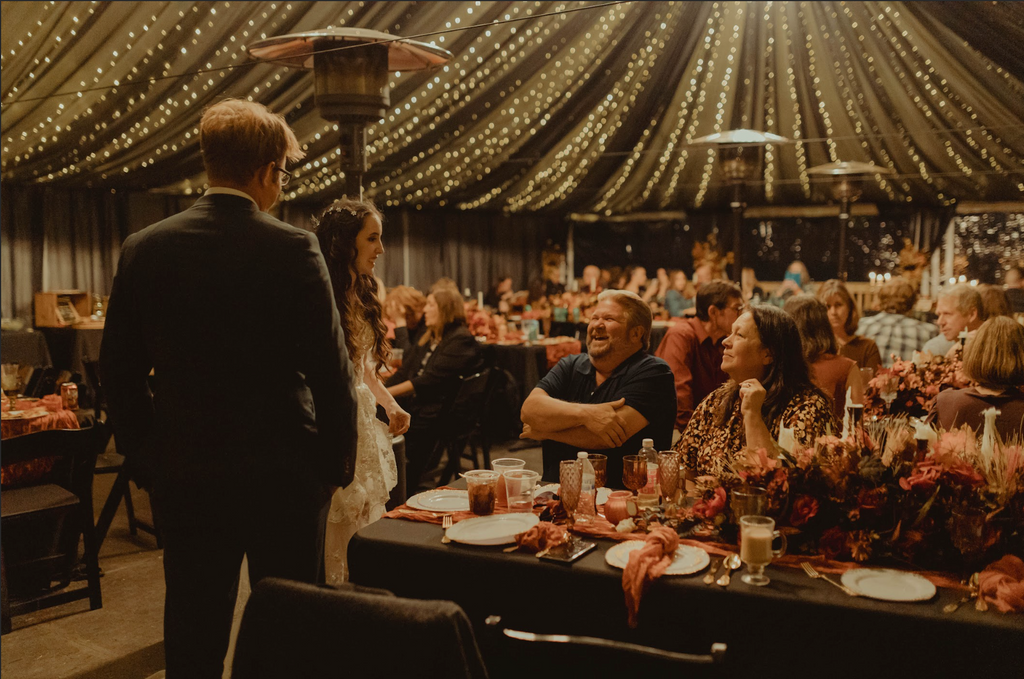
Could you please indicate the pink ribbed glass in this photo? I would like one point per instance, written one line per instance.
(570, 475)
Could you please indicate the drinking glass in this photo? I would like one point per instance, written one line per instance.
(570, 475)
(634, 472)
(756, 536)
(748, 500)
(10, 381)
(520, 484)
(482, 485)
(600, 463)
(887, 391)
(967, 529)
(502, 465)
(668, 474)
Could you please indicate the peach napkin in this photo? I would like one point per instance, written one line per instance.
(1002, 584)
(646, 565)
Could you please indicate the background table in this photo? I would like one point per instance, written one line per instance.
(24, 347)
(794, 627)
(528, 364)
(70, 346)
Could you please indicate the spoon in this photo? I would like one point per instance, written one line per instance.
(950, 608)
(710, 577)
(731, 563)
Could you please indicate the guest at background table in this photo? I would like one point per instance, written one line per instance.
(769, 387)
(703, 274)
(994, 360)
(592, 279)
(796, 281)
(892, 329)
(1013, 281)
(429, 377)
(830, 372)
(255, 422)
(752, 292)
(843, 318)
(680, 295)
(609, 399)
(693, 347)
(994, 301)
(404, 307)
(959, 308)
(500, 295)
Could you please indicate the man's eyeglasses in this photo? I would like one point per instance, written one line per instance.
(286, 176)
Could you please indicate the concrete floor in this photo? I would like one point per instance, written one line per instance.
(124, 639)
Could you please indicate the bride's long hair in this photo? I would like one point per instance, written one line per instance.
(355, 294)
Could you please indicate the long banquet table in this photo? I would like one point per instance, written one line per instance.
(794, 627)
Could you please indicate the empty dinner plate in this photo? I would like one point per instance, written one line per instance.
(441, 500)
(687, 559)
(888, 585)
(497, 529)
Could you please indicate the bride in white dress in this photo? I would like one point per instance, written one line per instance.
(349, 232)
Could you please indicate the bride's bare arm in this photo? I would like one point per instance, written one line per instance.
(397, 417)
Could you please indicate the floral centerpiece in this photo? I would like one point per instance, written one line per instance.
(947, 500)
(916, 384)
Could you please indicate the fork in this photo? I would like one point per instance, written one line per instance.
(809, 569)
(446, 523)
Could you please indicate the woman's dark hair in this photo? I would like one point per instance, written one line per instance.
(811, 317)
(836, 288)
(355, 295)
(451, 313)
(786, 376)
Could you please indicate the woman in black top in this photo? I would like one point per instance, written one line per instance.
(429, 377)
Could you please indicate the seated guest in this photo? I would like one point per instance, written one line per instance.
(500, 296)
(636, 280)
(609, 399)
(429, 377)
(693, 347)
(994, 301)
(769, 385)
(404, 307)
(680, 294)
(591, 280)
(843, 317)
(830, 372)
(1013, 281)
(703, 274)
(892, 330)
(994, 360)
(445, 283)
(796, 281)
(752, 292)
(959, 308)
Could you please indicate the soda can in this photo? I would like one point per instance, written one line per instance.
(69, 395)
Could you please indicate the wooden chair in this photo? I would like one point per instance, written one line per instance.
(42, 523)
(111, 462)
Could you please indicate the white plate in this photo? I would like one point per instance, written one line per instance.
(888, 585)
(498, 529)
(441, 500)
(602, 493)
(687, 559)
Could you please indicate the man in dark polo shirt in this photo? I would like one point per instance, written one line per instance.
(693, 347)
(609, 399)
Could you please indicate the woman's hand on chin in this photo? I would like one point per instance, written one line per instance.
(752, 395)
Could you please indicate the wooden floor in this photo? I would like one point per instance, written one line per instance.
(124, 639)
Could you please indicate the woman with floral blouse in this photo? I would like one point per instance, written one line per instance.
(769, 387)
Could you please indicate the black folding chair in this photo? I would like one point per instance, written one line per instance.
(465, 424)
(42, 523)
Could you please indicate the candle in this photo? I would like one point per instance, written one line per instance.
(872, 276)
(846, 412)
(988, 437)
(924, 432)
(480, 299)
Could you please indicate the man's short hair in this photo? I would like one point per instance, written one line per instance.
(717, 293)
(897, 296)
(638, 312)
(966, 298)
(239, 137)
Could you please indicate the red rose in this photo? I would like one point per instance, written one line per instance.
(924, 478)
(805, 508)
(832, 543)
(712, 507)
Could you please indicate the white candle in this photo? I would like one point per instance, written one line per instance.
(988, 437)
(480, 299)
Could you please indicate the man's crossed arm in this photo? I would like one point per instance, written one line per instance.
(593, 426)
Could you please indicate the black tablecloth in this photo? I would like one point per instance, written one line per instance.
(794, 627)
(526, 364)
(70, 346)
(24, 347)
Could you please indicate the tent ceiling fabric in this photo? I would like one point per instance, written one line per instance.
(586, 111)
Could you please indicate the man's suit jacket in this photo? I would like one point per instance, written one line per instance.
(234, 312)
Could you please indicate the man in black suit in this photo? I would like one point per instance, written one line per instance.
(251, 424)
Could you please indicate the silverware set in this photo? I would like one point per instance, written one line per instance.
(446, 523)
(730, 563)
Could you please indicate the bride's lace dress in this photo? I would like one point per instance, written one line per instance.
(361, 502)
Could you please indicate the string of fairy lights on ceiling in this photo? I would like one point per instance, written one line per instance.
(551, 105)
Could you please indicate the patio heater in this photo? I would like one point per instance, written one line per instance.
(350, 72)
(847, 186)
(739, 156)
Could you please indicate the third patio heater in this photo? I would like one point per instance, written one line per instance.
(847, 186)
(350, 71)
(739, 156)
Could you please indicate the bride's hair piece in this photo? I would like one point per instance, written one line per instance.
(356, 295)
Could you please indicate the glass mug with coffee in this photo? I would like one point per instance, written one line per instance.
(756, 536)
